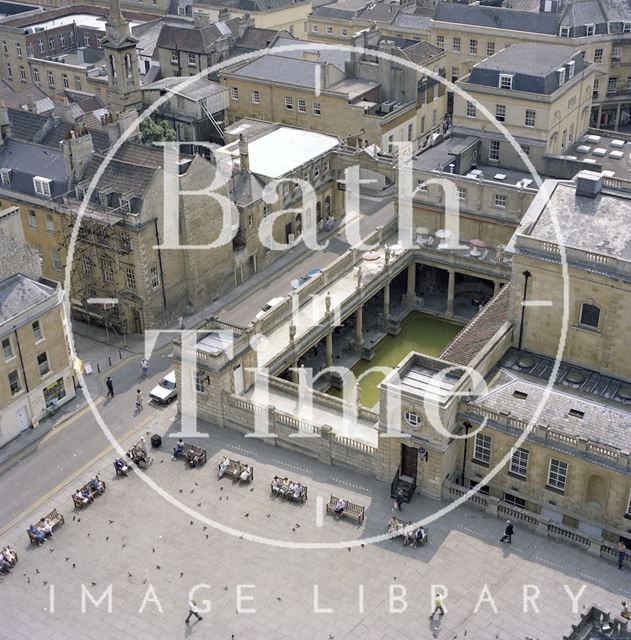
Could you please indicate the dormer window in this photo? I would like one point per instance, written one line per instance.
(79, 193)
(570, 69)
(5, 176)
(42, 186)
(125, 206)
(626, 27)
(564, 32)
(506, 81)
(103, 199)
(590, 29)
(561, 73)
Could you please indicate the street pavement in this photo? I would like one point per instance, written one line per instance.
(154, 540)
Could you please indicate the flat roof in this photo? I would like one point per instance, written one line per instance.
(599, 225)
(215, 342)
(603, 151)
(531, 58)
(279, 152)
(80, 19)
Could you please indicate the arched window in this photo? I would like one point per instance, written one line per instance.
(327, 206)
(318, 211)
(113, 67)
(298, 224)
(590, 316)
(128, 67)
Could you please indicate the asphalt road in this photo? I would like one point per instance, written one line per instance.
(64, 451)
(374, 214)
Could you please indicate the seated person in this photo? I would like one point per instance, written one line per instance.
(393, 524)
(47, 527)
(194, 457)
(85, 492)
(223, 466)
(10, 556)
(297, 492)
(79, 497)
(121, 466)
(39, 535)
(276, 484)
(339, 507)
(245, 474)
(97, 485)
(5, 565)
(284, 486)
(178, 448)
(420, 535)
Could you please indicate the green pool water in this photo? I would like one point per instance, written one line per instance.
(418, 333)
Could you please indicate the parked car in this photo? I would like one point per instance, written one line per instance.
(295, 284)
(270, 304)
(166, 390)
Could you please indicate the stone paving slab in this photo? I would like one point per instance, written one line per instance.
(132, 538)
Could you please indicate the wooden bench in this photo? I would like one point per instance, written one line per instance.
(288, 494)
(92, 493)
(234, 469)
(351, 510)
(194, 455)
(55, 519)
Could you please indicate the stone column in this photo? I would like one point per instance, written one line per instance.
(411, 294)
(359, 328)
(600, 111)
(329, 349)
(386, 302)
(617, 117)
(450, 293)
(294, 372)
(326, 437)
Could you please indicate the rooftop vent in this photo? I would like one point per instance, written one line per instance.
(575, 413)
(520, 394)
(589, 184)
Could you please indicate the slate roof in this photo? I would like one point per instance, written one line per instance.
(247, 188)
(379, 13)
(476, 335)
(27, 160)
(140, 154)
(336, 57)
(54, 137)
(255, 38)
(252, 5)
(497, 18)
(534, 66)
(25, 125)
(195, 39)
(120, 177)
(16, 99)
(87, 101)
(420, 52)
(412, 21)
(19, 293)
(280, 68)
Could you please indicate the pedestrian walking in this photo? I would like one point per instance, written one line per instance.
(110, 387)
(508, 533)
(138, 400)
(398, 500)
(181, 322)
(144, 368)
(622, 554)
(192, 610)
(438, 606)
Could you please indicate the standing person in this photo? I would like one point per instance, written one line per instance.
(192, 610)
(398, 500)
(622, 554)
(138, 400)
(144, 368)
(110, 387)
(181, 322)
(508, 532)
(626, 612)
(438, 606)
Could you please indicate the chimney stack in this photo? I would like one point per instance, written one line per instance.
(78, 150)
(589, 184)
(244, 156)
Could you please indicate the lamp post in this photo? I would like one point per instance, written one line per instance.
(467, 426)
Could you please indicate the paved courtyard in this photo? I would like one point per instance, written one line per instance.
(152, 553)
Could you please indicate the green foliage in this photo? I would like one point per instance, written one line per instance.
(152, 131)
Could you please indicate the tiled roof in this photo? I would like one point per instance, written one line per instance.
(27, 160)
(420, 52)
(380, 13)
(19, 293)
(255, 38)
(476, 335)
(26, 125)
(195, 39)
(119, 177)
(140, 154)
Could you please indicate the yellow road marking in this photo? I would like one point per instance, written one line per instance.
(73, 476)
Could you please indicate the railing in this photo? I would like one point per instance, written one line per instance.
(496, 507)
(357, 445)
